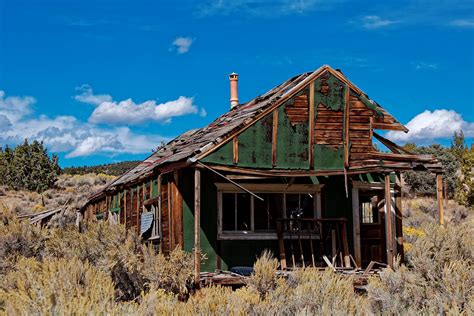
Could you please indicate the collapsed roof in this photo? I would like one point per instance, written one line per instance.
(196, 144)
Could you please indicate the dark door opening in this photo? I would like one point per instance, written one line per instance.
(372, 227)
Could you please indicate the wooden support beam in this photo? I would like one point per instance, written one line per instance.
(388, 220)
(274, 137)
(356, 225)
(235, 145)
(125, 208)
(138, 209)
(399, 216)
(311, 125)
(346, 126)
(281, 245)
(197, 225)
(177, 204)
(160, 199)
(345, 245)
(439, 185)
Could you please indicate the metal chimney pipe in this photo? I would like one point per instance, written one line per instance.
(234, 94)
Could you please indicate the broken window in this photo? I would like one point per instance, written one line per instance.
(299, 205)
(267, 211)
(237, 209)
(242, 213)
(369, 212)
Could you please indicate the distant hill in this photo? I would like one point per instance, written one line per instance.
(114, 169)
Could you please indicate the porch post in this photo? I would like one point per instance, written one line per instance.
(399, 216)
(388, 214)
(197, 225)
(356, 225)
(439, 191)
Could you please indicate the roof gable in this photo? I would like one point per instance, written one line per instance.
(199, 143)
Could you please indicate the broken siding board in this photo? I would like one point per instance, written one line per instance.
(297, 108)
(328, 127)
(255, 144)
(293, 143)
(329, 91)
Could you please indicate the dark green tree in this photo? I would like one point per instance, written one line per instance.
(458, 145)
(424, 183)
(464, 192)
(29, 167)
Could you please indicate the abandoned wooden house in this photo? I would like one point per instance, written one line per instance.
(294, 170)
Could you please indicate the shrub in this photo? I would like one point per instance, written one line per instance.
(57, 287)
(264, 279)
(173, 274)
(438, 277)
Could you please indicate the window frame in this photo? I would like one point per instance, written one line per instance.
(257, 188)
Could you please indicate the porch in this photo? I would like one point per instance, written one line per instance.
(305, 237)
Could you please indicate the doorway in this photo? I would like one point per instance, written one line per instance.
(372, 226)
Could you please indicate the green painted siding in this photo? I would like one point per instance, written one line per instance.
(244, 252)
(154, 188)
(328, 158)
(255, 144)
(293, 143)
(223, 156)
(208, 216)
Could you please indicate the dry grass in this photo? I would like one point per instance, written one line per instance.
(70, 192)
(438, 277)
(103, 269)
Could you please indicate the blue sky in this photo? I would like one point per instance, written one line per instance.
(104, 81)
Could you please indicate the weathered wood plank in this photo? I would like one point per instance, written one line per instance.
(320, 134)
(235, 143)
(197, 225)
(328, 125)
(388, 216)
(311, 125)
(274, 137)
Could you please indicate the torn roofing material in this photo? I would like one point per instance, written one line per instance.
(195, 144)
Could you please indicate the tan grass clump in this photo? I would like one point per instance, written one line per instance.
(438, 278)
(56, 287)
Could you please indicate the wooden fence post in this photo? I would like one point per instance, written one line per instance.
(439, 187)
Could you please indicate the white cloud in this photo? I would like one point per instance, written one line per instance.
(428, 126)
(14, 108)
(465, 23)
(66, 133)
(87, 96)
(420, 65)
(182, 44)
(128, 112)
(372, 22)
(264, 8)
